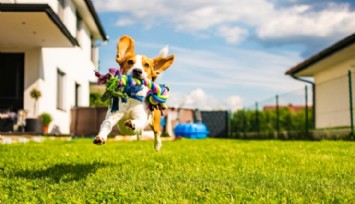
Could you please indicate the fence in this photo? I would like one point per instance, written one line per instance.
(216, 122)
(272, 117)
(86, 121)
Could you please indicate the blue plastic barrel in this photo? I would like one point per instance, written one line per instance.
(191, 130)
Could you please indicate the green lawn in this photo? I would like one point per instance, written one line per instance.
(185, 171)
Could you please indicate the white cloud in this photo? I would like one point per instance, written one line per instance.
(125, 22)
(232, 35)
(297, 21)
(208, 17)
(198, 98)
(194, 99)
(234, 103)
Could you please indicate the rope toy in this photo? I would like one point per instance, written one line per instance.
(125, 86)
(157, 95)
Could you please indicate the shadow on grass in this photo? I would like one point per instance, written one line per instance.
(63, 172)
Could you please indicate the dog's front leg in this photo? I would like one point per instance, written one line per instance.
(138, 120)
(107, 125)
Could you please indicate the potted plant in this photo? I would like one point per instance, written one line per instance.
(35, 94)
(34, 124)
(46, 120)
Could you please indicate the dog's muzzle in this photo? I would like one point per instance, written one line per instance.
(137, 73)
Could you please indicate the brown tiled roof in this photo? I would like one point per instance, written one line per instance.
(347, 41)
(292, 108)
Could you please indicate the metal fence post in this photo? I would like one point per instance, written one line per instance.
(244, 123)
(351, 105)
(277, 116)
(306, 108)
(257, 118)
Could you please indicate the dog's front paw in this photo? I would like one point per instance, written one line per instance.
(99, 140)
(130, 124)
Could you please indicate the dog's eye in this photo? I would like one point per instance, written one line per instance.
(146, 65)
(130, 62)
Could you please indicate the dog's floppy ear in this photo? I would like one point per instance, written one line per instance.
(124, 45)
(162, 63)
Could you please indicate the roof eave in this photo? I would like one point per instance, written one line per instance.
(40, 8)
(347, 41)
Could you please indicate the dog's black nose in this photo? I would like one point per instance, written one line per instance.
(137, 73)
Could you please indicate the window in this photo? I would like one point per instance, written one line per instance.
(60, 90)
(77, 94)
(79, 21)
(61, 8)
(79, 26)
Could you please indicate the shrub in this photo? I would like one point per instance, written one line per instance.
(95, 100)
(46, 118)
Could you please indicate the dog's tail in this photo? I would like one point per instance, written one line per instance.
(164, 52)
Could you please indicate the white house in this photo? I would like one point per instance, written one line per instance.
(50, 45)
(329, 69)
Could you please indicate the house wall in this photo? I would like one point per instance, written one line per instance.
(332, 95)
(70, 18)
(41, 65)
(85, 41)
(77, 69)
(33, 79)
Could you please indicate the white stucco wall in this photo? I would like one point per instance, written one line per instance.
(78, 69)
(33, 79)
(332, 95)
(85, 41)
(40, 68)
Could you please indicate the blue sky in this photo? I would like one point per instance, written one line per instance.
(228, 53)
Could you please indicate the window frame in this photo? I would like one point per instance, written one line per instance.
(60, 89)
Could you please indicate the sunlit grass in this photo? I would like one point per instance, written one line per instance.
(204, 171)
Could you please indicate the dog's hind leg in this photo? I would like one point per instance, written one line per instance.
(106, 126)
(156, 129)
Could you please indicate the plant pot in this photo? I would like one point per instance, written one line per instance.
(45, 129)
(33, 125)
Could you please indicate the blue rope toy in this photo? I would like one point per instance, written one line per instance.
(125, 86)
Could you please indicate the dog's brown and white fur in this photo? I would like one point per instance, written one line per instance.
(133, 116)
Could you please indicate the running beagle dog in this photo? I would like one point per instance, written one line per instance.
(132, 115)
